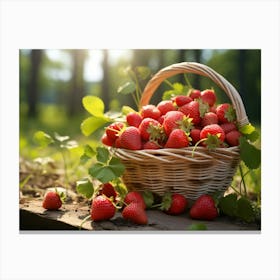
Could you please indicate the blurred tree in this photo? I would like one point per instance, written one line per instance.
(77, 82)
(197, 58)
(33, 85)
(105, 86)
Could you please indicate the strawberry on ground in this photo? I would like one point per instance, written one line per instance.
(150, 111)
(232, 138)
(52, 201)
(130, 138)
(177, 139)
(102, 208)
(135, 213)
(134, 196)
(133, 119)
(204, 208)
(174, 204)
(208, 96)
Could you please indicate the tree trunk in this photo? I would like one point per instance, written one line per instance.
(33, 86)
(105, 82)
(77, 82)
(197, 57)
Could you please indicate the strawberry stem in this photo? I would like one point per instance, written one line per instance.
(196, 144)
(187, 81)
(83, 221)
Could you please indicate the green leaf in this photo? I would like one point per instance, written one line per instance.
(249, 154)
(127, 109)
(91, 124)
(116, 166)
(245, 210)
(127, 88)
(101, 172)
(148, 198)
(166, 202)
(94, 105)
(42, 138)
(143, 72)
(247, 129)
(198, 226)
(168, 94)
(228, 205)
(253, 136)
(89, 153)
(102, 154)
(85, 188)
(178, 87)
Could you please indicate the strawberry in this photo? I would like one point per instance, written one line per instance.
(213, 109)
(228, 127)
(209, 118)
(151, 145)
(107, 141)
(52, 201)
(135, 196)
(113, 130)
(131, 138)
(194, 94)
(192, 110)
(225, 113)
(213, 129)
(161, 119)
(135, 213)
(150, 111)
(150, 129)
(102, 208)
(165, 106)
(181, 100)
(208, 96)
(108, 190)
(195, 135)
(177, 139)
(232, 138)
(204, 208)
(172, 120)
(174, 204)
(134, 119)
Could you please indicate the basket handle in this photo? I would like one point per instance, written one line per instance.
(200, 69)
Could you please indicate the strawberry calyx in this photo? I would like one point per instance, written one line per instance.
(203, 107)
(230, 114)
(62, 195)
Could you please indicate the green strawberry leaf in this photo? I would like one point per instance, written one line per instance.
(178, 87)
(89, 153)
(245, 210)
(143, 72)
(101, 172)
(102, 154)
(127, 88)
(148, 198)
(85, 188)
(42, 139)
(230, 114)
(198, 226)
(91, 124)
(228, 205)
(166, 202)
(94, 105)
(127, 109)
(116, 166)
(249, 132)
(249, 154)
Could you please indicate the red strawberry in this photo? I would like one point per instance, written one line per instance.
(232, 137)
(204, 208)
(194, 94)
(106, 140)
(150, 111)
(181, 100)
(225, 113)
(191, 110)
(151, 145)
(161, 119)
(172, 120)
(228, 127)
(131, 138)
(52, 201)
(177, 139)
(213, 109)
(133, 119)
(208, 96)
(165, 106)
(150, 128)
(113, 130)
(209, 118)
(213, 129)
(135, 213)
(177, 204)
(195, 135)
(135, 196)
(108, 190)
(102, 208)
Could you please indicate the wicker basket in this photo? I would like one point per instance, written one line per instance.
(176, 170)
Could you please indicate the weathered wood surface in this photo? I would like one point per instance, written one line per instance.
(34, 217)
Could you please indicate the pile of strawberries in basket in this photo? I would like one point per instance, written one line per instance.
(182, 121)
